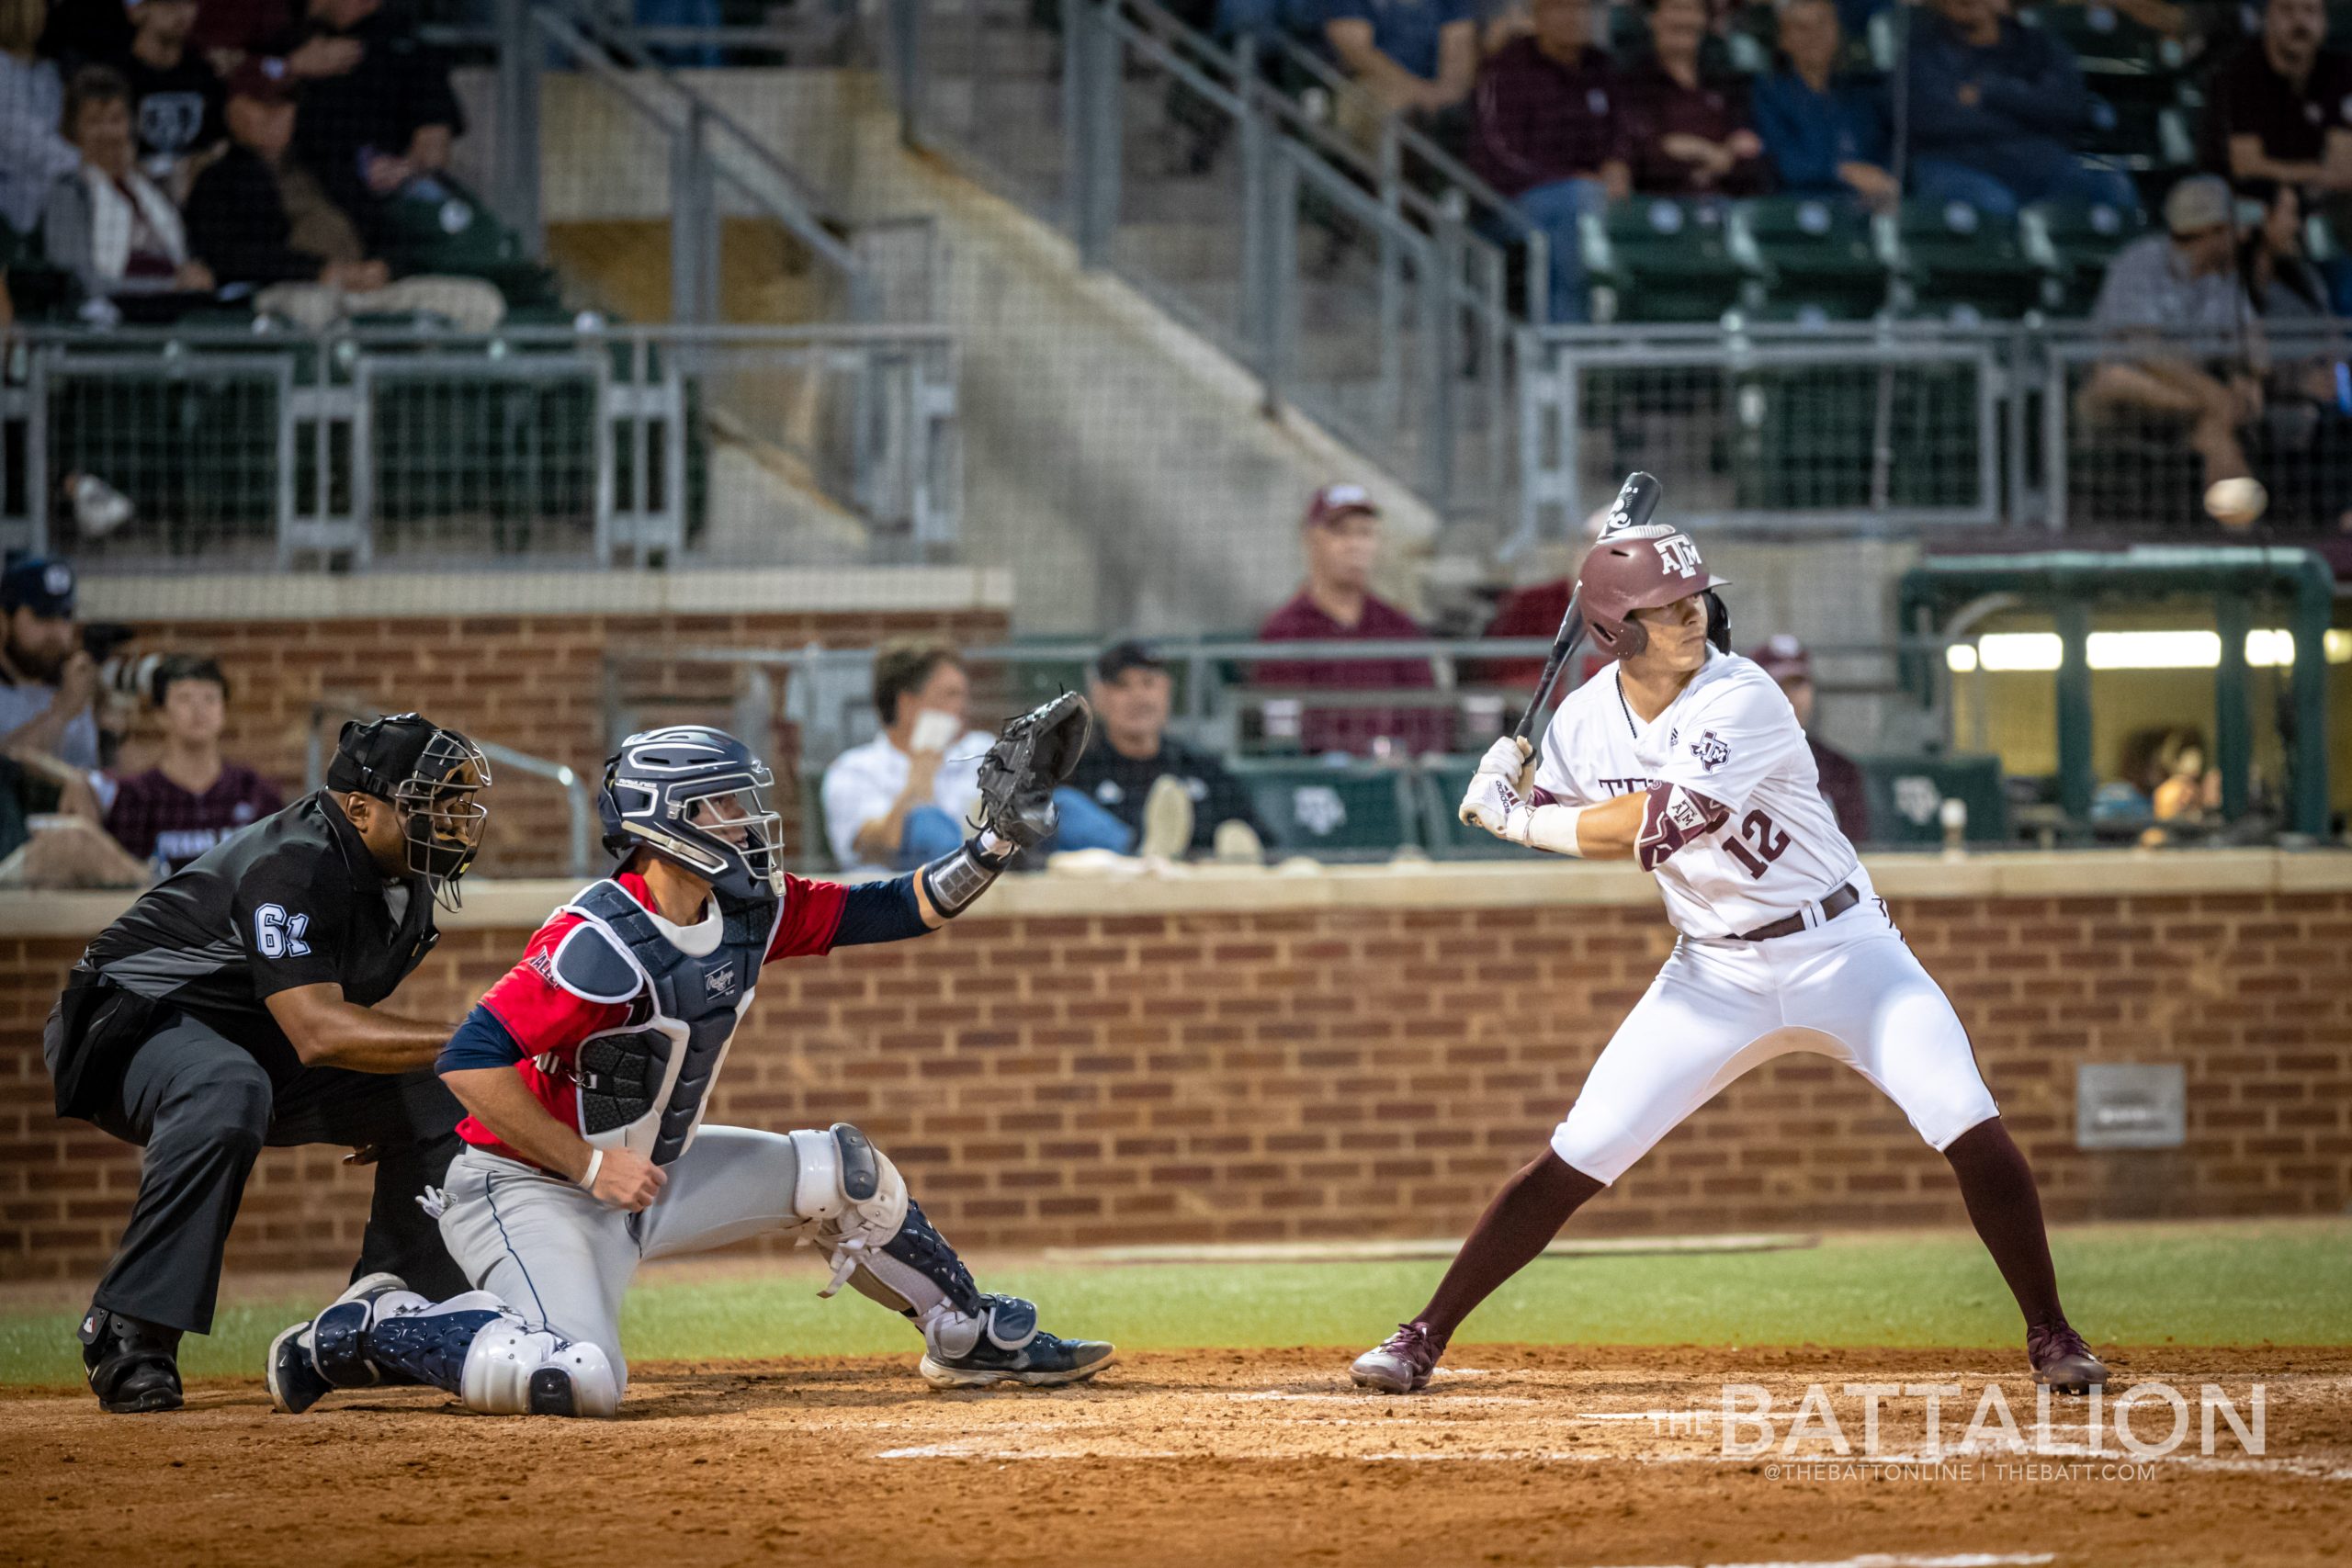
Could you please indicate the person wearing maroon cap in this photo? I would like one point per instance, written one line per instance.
(1342, 532)
(1784, 659)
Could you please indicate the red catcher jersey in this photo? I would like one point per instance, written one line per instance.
(549, 1022)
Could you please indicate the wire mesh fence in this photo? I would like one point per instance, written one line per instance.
(800, 445)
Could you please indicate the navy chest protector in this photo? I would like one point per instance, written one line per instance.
(643, 1085)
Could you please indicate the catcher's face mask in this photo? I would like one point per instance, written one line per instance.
(430, 777)
(697, 798)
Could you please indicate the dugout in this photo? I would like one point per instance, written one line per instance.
(2263, 606)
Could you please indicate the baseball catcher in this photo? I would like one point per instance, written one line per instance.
(1687, 758)
(587, 1070)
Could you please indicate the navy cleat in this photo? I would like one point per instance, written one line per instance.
(133, 1365)
(292, 1372)
(1005, 1345)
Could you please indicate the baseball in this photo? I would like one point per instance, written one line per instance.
(2235, 503)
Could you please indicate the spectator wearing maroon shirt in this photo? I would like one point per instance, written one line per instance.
(1784, 659)
(1687, 135)
(1341, 532)
(192, 800)
(1547, 137)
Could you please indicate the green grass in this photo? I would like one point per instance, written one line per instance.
(2289, 1283)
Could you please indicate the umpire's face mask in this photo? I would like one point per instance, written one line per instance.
(440, 817)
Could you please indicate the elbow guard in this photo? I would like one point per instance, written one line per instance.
(953, 881)
(1671, 818)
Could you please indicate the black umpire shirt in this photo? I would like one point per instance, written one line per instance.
(1118, 782)
(294, 901)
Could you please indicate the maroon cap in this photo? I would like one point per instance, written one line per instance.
(1783, 658)
(263, 80)
(1334, 502)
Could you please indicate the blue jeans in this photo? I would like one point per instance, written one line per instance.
(931, 832)
(2060, 176)
(1556, 208)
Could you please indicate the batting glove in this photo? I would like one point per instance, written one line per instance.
(1494, 804)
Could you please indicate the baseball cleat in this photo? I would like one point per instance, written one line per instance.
(2062, 1360)
(1401, 1363)
(1007, 1345)
(295, 1381)
(133, 1364)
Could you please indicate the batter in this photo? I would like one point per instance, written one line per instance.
(587, 1069)
(1688, 759)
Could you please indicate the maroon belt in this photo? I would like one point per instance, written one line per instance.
(1837, 904)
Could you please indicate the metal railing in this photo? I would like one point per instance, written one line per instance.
(579, 806)
(601, 444)
(1375, 303)
(1896, 424)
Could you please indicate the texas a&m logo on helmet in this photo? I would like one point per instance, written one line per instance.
(1679, 555)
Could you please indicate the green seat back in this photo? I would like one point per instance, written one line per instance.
(1362, 811)
(1907, 796)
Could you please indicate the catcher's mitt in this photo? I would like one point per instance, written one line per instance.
(1033, 754)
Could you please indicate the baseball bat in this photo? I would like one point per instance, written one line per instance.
(1637, 499)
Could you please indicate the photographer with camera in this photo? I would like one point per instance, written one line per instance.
(48, 679)
(193, 797)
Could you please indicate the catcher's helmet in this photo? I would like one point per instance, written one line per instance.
(696, 797)
(1637, 569)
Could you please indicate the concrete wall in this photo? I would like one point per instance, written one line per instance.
(1365, 1052)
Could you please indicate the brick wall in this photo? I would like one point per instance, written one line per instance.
(1255, 1075)
(534, 683)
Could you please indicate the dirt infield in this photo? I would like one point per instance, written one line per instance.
(1555, 1455)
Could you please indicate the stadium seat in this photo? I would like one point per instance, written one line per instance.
(1657, 258)
(1357, 811)
(1907, 796)
(2109, 44)
(2073, 243)
(1813, 255)
(1957, 259)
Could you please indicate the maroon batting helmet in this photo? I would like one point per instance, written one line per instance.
(1644, 568)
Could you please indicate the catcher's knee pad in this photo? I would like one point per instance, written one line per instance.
(512, 1369)
(850, 1191)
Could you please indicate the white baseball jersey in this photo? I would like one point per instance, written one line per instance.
(1759, 841)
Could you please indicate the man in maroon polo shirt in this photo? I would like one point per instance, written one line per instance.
(1784, 659)
(1341, 532)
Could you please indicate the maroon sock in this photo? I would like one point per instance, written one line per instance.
(2006, 1207)
(1521, 1222)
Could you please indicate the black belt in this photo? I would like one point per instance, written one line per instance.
(1837, 904)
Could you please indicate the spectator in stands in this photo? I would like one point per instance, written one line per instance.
(258, 217)
(50, 835)
(1784, 659)
(1994, 107)
(905, 798)
(1341, 534)
(34, 153)
(1685, 133)
(901, 798)
(193, 799)
(49, 683)
(106, 222)
(230, 32)
(1547, 137)
(1174, 797)
(1825, 136)
(2281, 109)
(1416, 58)
(176, 100)
(2181, 281)
(2281, 283)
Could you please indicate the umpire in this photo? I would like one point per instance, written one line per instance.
(234, 1005)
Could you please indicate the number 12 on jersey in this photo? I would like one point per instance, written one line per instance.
(1770, 840)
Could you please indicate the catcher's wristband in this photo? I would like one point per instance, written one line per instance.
(587, 1182)
(953, 881)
